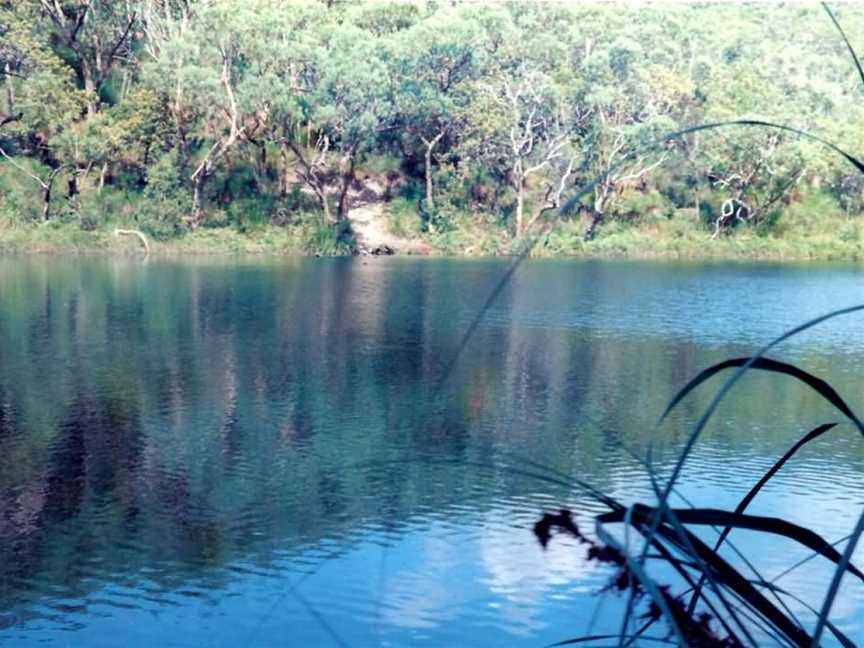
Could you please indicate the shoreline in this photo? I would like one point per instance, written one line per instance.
(283, 242)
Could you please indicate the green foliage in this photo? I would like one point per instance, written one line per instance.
(248, 214)
(648, 205)
(165, 176)
(106, 208)
(405, 219)
(256, 113)
(166, 205)
(20, 196)
(322, 239)
(809, 213)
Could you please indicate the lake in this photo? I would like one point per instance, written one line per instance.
(255, 453)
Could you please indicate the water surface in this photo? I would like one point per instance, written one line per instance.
(230, 453)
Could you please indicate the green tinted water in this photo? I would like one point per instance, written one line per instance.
(233, 453)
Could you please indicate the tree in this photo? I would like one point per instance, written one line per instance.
(435, 59)
(631, 106)
(93, 35)
(490, 110)
(352, 100)
(220, 95)
(537, 129)
(41, 97)
(45, 182)
(344, 97)
(525, 118)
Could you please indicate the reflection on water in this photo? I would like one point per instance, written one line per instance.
(224, 453)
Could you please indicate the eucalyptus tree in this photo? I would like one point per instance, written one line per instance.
(43, 100)
(292, 75)
(40, 91)
(530, 98)
(436, 60)
(352, 101)
(630, 103)
(93, 36)
(522, 120)
(759, 76)
(223, 64)
(121, 135)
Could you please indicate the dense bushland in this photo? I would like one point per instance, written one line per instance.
(269, 119)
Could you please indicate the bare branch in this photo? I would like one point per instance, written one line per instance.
(206, 161)
(122, 40)
(26, 171)
(79, 23)
(641, 172)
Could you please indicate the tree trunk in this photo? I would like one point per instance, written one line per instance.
(601, 192)
(46, 203)
(10, 90)
(283, 171)
(430, 147)
(310, 177)
(520, 206)
(347, 177)
(262, 162)
(46, 193)
(90, 87)
(102, 174)
(325, 205)
(198, 198)
(430, 204)
(596, 219)
(72, 190)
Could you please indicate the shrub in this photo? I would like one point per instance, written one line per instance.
(323, 239)
(718, 603)
(643, 206)
(405, 220)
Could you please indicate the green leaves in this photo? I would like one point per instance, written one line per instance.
(377, 79)
(767, 364)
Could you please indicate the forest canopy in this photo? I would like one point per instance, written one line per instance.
(174, 115)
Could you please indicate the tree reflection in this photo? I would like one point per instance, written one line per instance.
(187, 415)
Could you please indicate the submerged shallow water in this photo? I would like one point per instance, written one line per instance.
(226, 453)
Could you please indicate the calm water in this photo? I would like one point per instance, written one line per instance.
(224, 453)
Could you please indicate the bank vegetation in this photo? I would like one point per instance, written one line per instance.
(258, 125)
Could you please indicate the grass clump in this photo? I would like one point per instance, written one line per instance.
(710, 601)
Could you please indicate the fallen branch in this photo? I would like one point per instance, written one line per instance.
(140, 235)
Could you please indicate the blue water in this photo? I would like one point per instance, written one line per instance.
(228, 452)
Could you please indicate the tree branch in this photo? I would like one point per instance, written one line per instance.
(641, 172)
(123, 38)
(8, 119)
(25, 171)
(79, 23)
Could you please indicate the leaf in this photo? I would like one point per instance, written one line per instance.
(845, 40)
(578, 640)
(767, 364)
(717, 517)
(751, 494)
(807, 438)
(727, 575)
